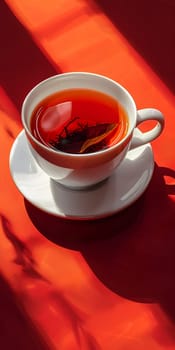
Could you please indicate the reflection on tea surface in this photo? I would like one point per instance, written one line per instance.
(79, 121)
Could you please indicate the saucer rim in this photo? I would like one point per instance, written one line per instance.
(80, 217)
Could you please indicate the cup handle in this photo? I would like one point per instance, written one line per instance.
(148, 136)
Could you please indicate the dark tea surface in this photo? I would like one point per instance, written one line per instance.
(79, 121)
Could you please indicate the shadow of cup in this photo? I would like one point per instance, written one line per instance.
(139, 263)
(132, 252)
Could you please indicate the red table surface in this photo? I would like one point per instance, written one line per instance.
(95, 285)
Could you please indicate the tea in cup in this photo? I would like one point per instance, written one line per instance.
(80, 126)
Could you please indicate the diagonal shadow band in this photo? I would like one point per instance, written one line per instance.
(22, 63)
(149, 27)
(17, 330)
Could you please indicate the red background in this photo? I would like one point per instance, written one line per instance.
(107, 284)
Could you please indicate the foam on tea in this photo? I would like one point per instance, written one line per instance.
(79, 121)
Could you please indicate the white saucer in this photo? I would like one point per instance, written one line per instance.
(124, 187)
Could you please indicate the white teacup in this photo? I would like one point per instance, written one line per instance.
(79, 171)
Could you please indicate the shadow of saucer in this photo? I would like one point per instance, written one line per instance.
(75, 234)
(132, 253)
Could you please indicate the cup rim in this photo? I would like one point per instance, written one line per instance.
(62, 76)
